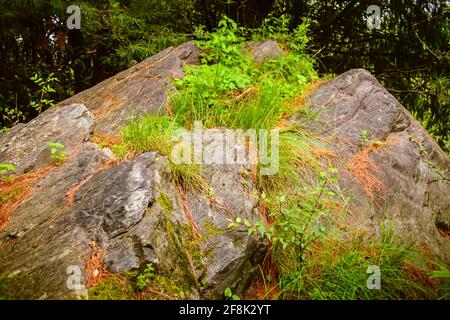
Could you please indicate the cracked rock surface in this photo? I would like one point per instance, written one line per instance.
(413, 169)
(133, 210)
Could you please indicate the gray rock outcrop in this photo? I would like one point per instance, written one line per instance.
(134, 211)
(138, 213)
(404, 183)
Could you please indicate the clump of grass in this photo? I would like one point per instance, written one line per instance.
(149, 133)
(298, 165)
(188, 176)
(443, 276)
(192, 106)
(337, 269)
(261, 112)
(156, 133)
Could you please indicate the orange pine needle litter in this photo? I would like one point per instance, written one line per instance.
(194, 228)
(362, 168)
(94, 269)
(22, 187)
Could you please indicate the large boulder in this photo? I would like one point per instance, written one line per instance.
(392, 170)
(135, 212)
(138, 215)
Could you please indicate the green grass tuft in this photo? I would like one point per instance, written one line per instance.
(149, 133)
(337, 270)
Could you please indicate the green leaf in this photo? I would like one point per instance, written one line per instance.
(440, 274)
(228, 293)
(7, 166)
(55, 145)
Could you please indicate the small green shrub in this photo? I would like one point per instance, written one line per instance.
(42, 100)
(223, 46)
(228, 293)
(296, 221)
(145, 277)
(290, 73)
(12, 116)
(277, 28)
(57, 152)
(210, 82)
(6, 171)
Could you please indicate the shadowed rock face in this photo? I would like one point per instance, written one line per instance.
(119, 208)
(137, 214)
(414, 172)
(132, 210)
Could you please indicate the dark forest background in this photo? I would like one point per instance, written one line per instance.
(42, 62)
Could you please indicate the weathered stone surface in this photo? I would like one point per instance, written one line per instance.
(133, 210)
(265, 50)
(414, 171)
(26, 147)
(225, 258)
(44, 239)
(120, 209)
(141, 89)
(233, 256)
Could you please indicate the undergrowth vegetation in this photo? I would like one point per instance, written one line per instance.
(230, 90)
(339, 269)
